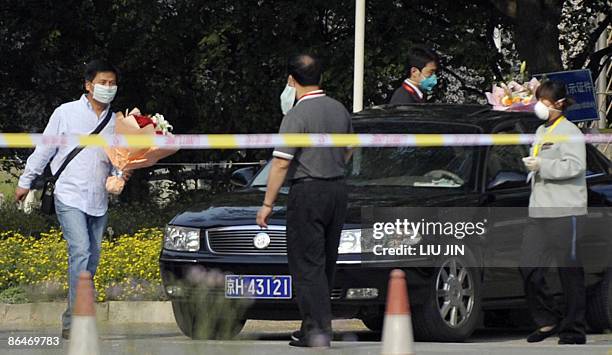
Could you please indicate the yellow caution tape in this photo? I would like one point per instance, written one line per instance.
(250, 141)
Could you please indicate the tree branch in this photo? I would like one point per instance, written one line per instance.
(580, 60)
(464, 86)
(595, 65)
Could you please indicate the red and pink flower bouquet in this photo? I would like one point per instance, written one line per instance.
(126, 159)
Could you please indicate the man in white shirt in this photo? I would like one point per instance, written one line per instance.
(81, 200)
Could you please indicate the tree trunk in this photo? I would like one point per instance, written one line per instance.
(536, 34)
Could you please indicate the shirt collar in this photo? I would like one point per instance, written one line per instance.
(548, 124)
(86, 102)
(90, 107)
(416, 88)
(312, 95)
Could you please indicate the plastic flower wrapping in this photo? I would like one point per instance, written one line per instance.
(126, 159)
(513, 96)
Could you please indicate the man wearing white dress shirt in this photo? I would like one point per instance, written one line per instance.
(81, 199)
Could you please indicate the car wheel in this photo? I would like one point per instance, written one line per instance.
(195, 322)
(599, 304)
(374, 323)
(452, 311)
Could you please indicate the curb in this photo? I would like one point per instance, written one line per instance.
(113, 312)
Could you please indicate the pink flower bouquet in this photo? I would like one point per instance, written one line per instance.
(125, 159)
(513, 96)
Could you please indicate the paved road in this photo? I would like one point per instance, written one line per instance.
(270, 338)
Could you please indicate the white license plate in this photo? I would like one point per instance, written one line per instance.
(258, 286)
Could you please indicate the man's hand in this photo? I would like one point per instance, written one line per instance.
(21, 193)
(276, 177)
(263, 215)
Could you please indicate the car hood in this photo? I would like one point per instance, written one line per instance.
(240, 207)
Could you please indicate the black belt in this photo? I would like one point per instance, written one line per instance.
(310, 178)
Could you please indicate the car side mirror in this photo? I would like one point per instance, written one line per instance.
(242, 177)
(507, 179)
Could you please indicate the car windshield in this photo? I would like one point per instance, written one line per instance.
(446, 167)
(261, 180)
(441, 167)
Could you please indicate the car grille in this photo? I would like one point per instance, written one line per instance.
(238, 240)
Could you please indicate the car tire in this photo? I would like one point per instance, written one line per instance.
(599, 304)
(452, 311)
(374, 323)
(192, 320)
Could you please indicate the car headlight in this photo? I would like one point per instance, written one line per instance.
(350, 241)
(182, 238)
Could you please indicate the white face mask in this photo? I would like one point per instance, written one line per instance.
(104, 94)
(287, 99)
(543, 111)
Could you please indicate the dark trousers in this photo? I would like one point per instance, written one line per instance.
(315, 215)
(547, 240)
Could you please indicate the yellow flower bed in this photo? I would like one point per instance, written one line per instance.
(128, 268)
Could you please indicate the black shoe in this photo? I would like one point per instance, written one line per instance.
(539, 335)
(66, 334)
(572, 339)
(321, 342)
(297, 335)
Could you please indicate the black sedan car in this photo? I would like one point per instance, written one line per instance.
(449, 297)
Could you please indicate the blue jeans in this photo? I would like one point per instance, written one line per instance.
(84, 236)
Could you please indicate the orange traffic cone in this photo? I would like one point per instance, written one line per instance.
(397, 336)
(83, 331)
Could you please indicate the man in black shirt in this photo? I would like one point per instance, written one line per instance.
(421, 68)
(316, 206)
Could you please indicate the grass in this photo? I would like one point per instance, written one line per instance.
(7, 185)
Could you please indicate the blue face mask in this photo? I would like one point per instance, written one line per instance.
(428, 83)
